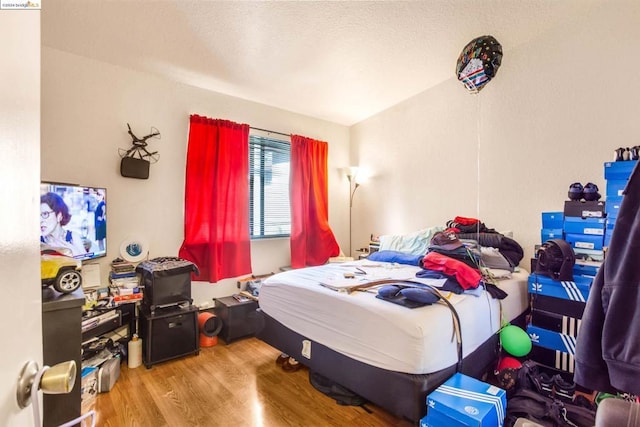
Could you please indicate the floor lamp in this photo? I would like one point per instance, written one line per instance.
(352, 174)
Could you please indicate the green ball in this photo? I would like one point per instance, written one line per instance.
(515, 341)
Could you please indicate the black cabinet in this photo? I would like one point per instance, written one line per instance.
(168, 333)
(239, 319)
(61, 341)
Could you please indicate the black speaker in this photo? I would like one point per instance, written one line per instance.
(168, 333)
(132, 167)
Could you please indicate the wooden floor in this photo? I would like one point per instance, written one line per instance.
(226, 385)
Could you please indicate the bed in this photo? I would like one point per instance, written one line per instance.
(387, 353)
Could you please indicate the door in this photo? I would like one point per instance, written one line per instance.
(21, 293)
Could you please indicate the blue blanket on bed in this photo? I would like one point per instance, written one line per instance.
(396, 256)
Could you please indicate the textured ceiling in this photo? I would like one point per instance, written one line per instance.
(341, 61)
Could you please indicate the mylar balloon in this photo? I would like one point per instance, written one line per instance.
(478, 62)
(515, 341)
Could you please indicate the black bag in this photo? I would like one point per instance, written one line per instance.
(527, 400)
(342, 395)
(132, 167)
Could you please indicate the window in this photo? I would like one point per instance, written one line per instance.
(269, 210)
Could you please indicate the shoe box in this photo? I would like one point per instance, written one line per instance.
(615, 188)
(585, 241)
(552, 220)
(587, 226)
(555, 322)
(552, 340)
(619, 170)
(617, 176)
(576, 290)
(551, 233)
(465, 401)
(586, 268)
(556, 313)
(553, 358)
(584, 209)
(551, 226)
(612, 209)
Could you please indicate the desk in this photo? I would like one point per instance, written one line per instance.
(61, 341)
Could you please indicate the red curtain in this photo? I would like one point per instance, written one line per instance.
(312, 241)
(216, 217)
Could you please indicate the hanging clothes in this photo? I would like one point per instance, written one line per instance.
(608, 346)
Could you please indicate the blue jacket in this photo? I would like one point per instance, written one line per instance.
(608, 346)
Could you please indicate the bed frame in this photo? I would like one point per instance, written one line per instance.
(403, 395)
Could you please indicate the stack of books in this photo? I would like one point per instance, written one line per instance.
(123, 275)
(125, 282)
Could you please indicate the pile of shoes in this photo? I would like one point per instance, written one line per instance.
(287, 363)
(589, 192)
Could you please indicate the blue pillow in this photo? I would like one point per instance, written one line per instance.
(396, 256)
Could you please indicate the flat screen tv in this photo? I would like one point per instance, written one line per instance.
(74, 217)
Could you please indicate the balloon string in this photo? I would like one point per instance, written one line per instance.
(478, 129)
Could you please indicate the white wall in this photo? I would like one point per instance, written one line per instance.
(86, 106)
(553, 115)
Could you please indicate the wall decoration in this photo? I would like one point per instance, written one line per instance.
(136, 160)
(134, 249)
(478, 62)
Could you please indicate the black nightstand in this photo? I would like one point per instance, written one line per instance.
(239, 319)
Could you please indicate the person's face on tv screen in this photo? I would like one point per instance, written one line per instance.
(48, 220)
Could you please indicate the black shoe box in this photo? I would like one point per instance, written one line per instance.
(584, 209)
(557, 359)
(560, 306)
(555, 322)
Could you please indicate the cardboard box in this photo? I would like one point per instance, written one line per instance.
(585, 241)
(552, 220)
(551, 233)
(577, 290)
(584, 209)
(561, 306)
(619, 170)
(579, 225)
(552, 340)
(555, 322)
(465, 401)
(88, 383)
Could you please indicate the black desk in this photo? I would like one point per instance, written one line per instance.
(61, 341)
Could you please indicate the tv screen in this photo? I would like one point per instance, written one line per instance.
(74, 217)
